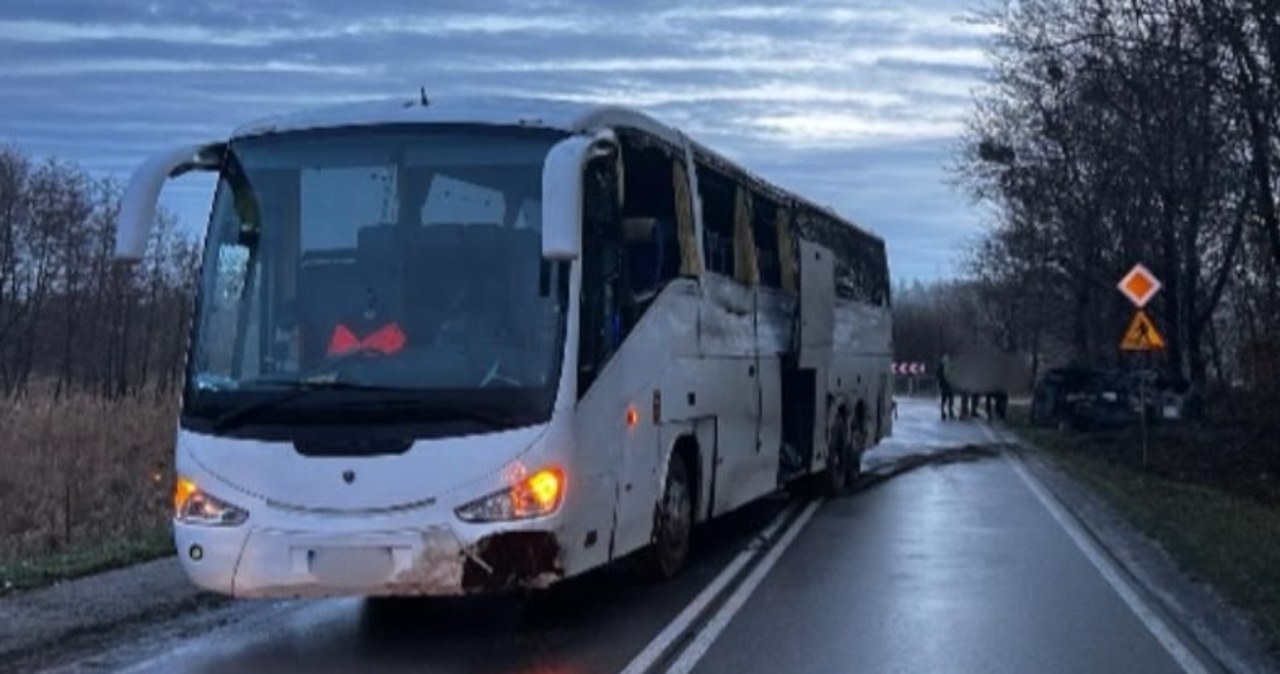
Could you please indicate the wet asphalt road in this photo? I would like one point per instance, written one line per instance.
(955, 568)
(949, 564)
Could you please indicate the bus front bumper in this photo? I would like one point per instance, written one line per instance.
(433, 561)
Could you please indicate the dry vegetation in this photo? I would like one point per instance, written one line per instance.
(90, 366)
(82, 470)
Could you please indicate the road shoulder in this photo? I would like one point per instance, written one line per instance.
(1223, 631)
(89, 611)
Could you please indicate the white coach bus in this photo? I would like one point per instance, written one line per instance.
(458, 347)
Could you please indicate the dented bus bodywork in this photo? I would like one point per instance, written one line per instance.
(612, 334)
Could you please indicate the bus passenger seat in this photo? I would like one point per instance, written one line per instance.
(646, 249)
(380, 266)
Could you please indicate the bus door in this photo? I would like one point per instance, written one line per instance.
(805, 375)
(626, 450)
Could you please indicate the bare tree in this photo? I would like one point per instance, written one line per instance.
(1122, 132)
(70, 317)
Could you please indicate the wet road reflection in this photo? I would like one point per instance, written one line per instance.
(948, 563)
(593, 624)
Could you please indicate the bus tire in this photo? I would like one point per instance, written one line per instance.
(835, 479)
(672, 525)
(857, 446)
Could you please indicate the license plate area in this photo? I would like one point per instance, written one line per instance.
(354, 566)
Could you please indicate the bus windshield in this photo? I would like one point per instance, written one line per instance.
(362, 261)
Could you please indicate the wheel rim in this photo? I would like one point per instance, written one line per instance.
(677, 520)
(837, 453)
(853, 470)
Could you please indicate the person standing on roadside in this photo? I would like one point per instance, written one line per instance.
(946, 393)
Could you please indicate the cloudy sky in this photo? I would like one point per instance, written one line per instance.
(854, 104)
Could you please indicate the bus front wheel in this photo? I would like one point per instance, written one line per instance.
(673, 523)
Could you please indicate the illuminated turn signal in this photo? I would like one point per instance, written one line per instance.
(544, 486)
(539, 494)
(183, 489)
(192, 506)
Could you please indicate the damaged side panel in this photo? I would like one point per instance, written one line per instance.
(511, 560)
(502, 561)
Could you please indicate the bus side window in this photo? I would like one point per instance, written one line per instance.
(716, 193)
(862, 274)
(745, 266)
(764, 223)
(600, 328)
(657, 223)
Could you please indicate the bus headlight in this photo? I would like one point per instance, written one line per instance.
(193, 506)
(536, 496)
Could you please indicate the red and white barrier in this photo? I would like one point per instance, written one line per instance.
(909, 369)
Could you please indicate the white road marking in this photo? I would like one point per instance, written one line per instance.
(676, 629)
(1105, 566)
(707, 636)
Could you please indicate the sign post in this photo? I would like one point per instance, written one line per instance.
(912, 371)
(1140, 285)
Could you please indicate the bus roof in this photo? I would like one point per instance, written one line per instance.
(566, 116)
(571, 117)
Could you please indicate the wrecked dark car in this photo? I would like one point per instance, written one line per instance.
(1082, 398)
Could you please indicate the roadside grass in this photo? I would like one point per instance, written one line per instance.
(42, 570)
(85, 485)
(1228, 541)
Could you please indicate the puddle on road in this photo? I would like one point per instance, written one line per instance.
(890, 468)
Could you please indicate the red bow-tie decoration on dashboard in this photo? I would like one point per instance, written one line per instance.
(387, 339)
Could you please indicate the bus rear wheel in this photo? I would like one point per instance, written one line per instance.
(672, 526)
(835, 481)
(857, 447)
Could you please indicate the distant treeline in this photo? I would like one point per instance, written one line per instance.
(71, 318)
(1116, 132)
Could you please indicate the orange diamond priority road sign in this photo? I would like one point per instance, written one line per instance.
(1142, 335)
(1139, 285)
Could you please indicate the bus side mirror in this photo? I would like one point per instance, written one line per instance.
(138, 205)
(562, 199)
(562, 190)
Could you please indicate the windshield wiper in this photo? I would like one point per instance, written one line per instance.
(385, 398)
(299, 389)
(440, 411)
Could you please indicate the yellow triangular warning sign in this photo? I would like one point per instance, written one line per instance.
(1142, 335)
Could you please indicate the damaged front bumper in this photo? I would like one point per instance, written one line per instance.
(434, 561)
